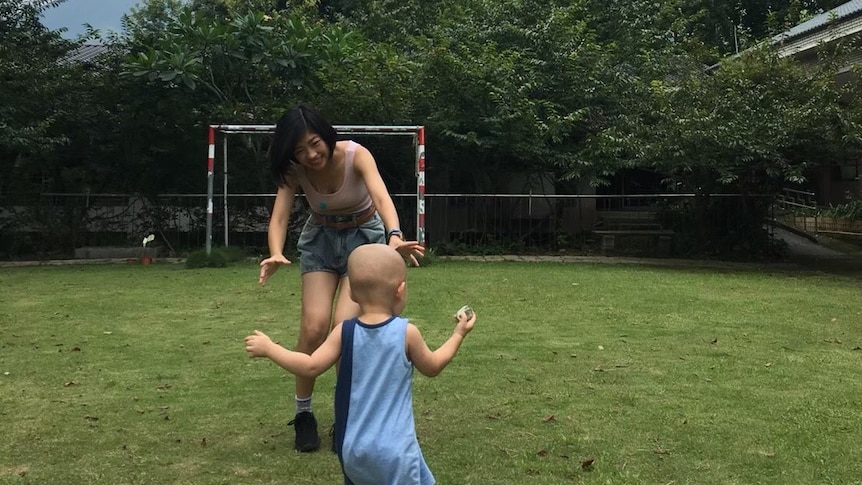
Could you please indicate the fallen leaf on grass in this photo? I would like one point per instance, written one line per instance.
(70, 383)
(550, 419)
(769, 364)
(714, 341)
(588, 463)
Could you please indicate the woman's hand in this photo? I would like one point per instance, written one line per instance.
(269, 266)
(408, 250)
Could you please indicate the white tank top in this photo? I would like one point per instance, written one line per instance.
(350, 198)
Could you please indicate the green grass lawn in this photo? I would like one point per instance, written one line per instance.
(129, 374)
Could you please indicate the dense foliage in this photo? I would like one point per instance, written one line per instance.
(575, 91)
(34, 93)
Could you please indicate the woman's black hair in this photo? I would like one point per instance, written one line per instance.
(293, 124)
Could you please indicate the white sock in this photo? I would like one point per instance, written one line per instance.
(303, 405)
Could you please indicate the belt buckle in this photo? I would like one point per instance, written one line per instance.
(345, 221)
(345, 224)
(346, 218)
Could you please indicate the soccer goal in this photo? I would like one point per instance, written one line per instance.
(416, 132)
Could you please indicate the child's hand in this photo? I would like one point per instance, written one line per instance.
(257, 345)
(466, 320)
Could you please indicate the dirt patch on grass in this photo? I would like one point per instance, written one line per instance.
(15, 471)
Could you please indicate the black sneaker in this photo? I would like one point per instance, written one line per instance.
(305, 426)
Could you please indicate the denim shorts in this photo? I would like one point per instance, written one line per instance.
(324, 248)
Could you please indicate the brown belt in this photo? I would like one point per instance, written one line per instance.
(345, 221)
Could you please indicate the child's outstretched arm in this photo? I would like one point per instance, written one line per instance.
(432, 363)
(260, 345)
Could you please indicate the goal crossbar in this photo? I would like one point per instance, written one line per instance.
(416, 131)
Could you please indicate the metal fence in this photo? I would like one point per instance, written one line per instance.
(799, 209)
(58, 225)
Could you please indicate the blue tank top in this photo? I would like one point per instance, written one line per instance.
(375, 435)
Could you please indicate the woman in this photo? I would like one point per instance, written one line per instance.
(350, 206)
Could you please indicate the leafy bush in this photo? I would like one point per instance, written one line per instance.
(232, 254)
(724, 228)
(850, 210)
(200, 259)
(430, 259)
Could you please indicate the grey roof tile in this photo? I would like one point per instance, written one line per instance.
(843, 11)
(86, 53)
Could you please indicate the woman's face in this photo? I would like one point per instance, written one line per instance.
(311, 151)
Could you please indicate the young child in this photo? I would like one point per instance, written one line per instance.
(374, 435)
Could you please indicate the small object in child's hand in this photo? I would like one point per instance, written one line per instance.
(466, 310)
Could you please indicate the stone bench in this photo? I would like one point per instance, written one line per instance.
(115, 252)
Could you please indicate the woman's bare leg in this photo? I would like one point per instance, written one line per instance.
(345, 307)
(318, 292)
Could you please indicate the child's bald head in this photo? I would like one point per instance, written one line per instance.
(376, 273)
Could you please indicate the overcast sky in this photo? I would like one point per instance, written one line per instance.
(104, 15)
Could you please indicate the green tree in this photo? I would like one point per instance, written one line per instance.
(244, 68)
(32, 94)
(248, 64)
(753, 125)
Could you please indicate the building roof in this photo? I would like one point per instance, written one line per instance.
(837, 14)
(837, 23)
(86, 53)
